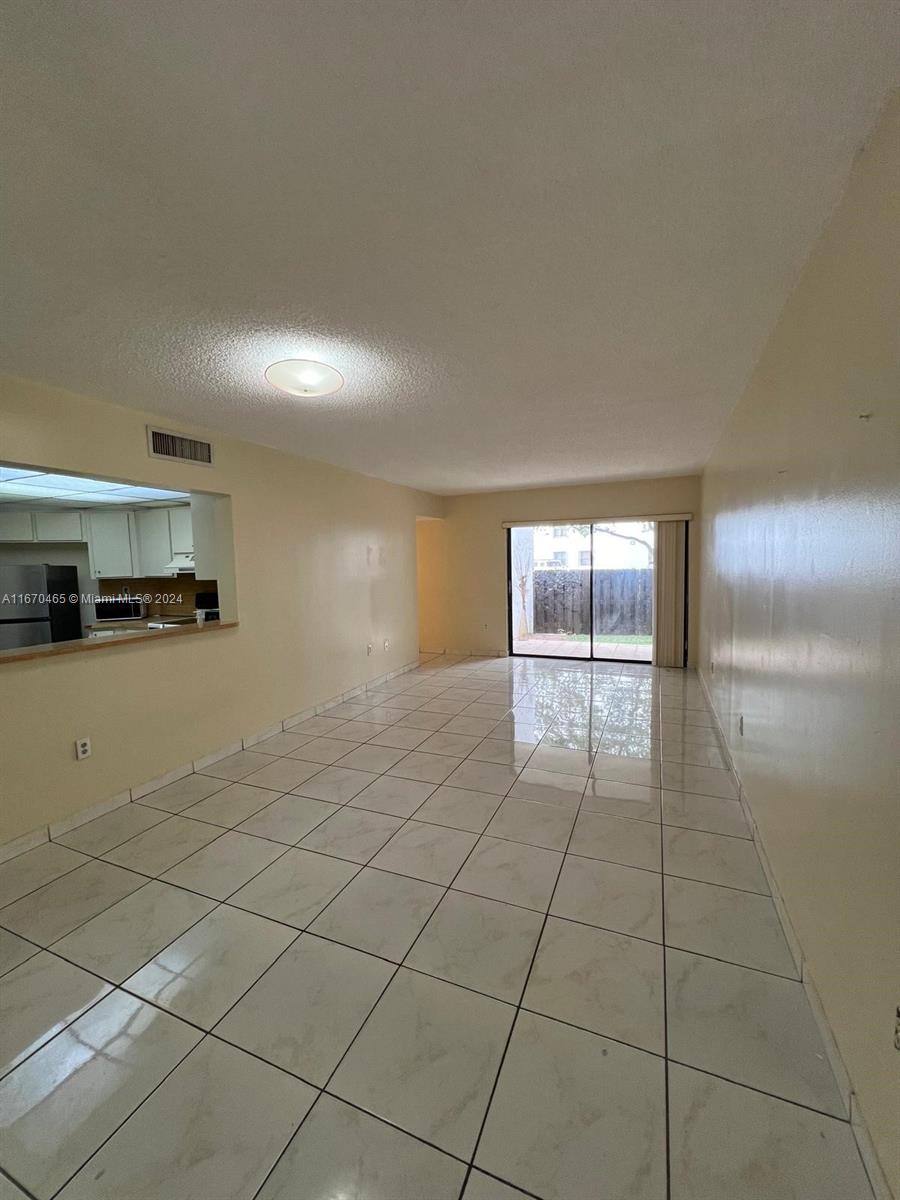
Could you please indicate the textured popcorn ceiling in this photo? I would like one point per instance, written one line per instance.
(544, 240)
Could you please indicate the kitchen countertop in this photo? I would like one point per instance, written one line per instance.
(141, 623)
(123, 637)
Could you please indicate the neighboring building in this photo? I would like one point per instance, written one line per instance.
(569, 546)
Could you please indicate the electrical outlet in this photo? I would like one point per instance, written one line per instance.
(82, 748)
(741, 724)
(387, 644)
(369, 648)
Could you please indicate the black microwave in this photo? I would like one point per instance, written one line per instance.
(119, 608)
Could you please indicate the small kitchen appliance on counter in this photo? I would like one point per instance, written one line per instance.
(207, 607)
(119, 608)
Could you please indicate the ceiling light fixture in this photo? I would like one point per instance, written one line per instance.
(303, 377)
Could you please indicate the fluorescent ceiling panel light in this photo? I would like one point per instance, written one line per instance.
(26, 490)
(75, 483)
(8, 473)
(146, 493)
(95, 498)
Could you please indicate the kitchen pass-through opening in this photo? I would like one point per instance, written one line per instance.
(91, 559)
(582, 590)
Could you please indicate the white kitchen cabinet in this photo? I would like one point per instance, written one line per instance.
(181, 529)
(16, 527)
(57, 526)
(112, 545)
(154, 539)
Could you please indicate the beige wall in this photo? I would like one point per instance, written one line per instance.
(463, 600)
(801, 615)
(325, 563)
(431, 558)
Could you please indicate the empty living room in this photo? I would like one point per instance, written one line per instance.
(449, 624)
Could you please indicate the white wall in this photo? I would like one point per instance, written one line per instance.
(801, 583)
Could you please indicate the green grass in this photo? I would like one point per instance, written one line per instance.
(631, 639)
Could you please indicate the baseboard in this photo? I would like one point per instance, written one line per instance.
(868, 1153)
(460, 653)
(67, 824)
(864, 1144)
(255, 738)
(24, 842)
(153, 785)
(215, 755)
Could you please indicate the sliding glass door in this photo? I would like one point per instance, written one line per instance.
(623, 560)
(582, 590)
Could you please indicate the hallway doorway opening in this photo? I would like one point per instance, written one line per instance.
(582, 590)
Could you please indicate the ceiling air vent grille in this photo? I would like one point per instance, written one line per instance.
(163, 443)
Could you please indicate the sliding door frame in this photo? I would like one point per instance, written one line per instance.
(577, 657)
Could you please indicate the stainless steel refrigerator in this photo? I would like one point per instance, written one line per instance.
(38, 604)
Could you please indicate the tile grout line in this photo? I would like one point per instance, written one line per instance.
(17, 1183)
(518, 1007)
(126, 1119)
(228, 900)
(362, 866)
(524, 988)
(306, 929)
(394, 973)
(253, 1054)
(205, 1033)
(323, 853)
(665, 999)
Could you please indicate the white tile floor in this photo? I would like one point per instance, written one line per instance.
(496, 929)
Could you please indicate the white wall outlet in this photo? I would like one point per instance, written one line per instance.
(82, 748)
(369, 648)
(387, 644)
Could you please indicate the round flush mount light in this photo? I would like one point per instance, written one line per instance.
(303, 377)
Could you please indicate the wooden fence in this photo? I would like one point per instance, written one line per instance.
(623, 601)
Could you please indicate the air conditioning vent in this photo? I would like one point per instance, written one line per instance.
(163, 443)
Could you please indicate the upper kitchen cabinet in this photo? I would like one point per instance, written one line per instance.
(42, 525)
(154, 540)
(181, 530)
(16, 527)
(112, 544)
(162, 535)
(57, 526)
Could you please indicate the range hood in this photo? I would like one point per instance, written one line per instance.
(181, 564)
